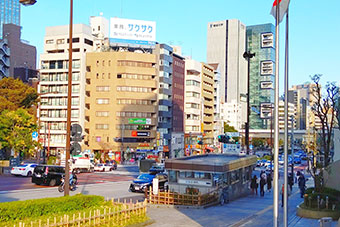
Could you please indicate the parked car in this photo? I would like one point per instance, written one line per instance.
(144, 181)
(102, 167)
(25, 170)
(112, 164)
(48, 175)
(297, 160)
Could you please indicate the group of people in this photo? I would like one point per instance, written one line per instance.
(265, 179)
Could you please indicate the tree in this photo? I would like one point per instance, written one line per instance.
(258, 142)
(16, 129)
(229, 128)
(325, 108)
(15, 94)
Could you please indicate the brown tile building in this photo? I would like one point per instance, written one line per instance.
(121, 103)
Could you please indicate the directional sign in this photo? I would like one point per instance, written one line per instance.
(35, 135)
(232, 134)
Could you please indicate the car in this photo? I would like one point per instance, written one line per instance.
(144, 181)
(270, 168)
(48, 175)
(102, 167)
(25, 170)
(267, 163)
(297, 160)
(263, 161)
(112, 164)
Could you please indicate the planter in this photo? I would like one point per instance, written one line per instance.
(316, 214)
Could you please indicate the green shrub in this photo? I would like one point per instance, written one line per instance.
(18, 210)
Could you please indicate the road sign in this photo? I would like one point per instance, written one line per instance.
(35, 135)
(232, 134)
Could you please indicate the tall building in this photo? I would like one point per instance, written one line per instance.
(10, 14)
(53, 85)
(260, 40)
(226, 43)
(4, 59)
(22, 54)
(291, 115)
(301, 96)
(231, 114)
(177, 134)
(164, 70)
(121, 104)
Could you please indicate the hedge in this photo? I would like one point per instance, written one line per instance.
(19, 210)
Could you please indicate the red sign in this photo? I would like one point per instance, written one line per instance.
(134, 133)
(165, 148)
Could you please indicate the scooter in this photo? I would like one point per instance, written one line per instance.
(73, 184)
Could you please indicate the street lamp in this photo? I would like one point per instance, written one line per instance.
(248, 55)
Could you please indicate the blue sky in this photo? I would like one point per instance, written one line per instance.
(314, 26)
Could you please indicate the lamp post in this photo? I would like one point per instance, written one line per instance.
(248, 55)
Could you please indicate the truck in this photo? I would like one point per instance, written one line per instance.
(82, 164)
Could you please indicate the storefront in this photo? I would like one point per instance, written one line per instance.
(209, 172)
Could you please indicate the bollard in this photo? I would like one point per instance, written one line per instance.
(318, 201)
(305, 200)
(327, 202)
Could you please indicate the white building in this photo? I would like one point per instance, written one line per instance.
(231, 114)
(291, 115)
(192, 98)
(226, 43)
(100, 30)
(53, 85)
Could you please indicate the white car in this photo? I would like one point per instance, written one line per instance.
(102, 167)
(25, 170)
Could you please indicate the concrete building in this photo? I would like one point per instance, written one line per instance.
(226, 43)
(177, 134)
(207, 93)
(100, 31)
(121, 104)
(54, 83)
(164, 70)
(22, 54)
(231, 114)
(4, 58)
(291, 115)
(9, 13)
(260, 40)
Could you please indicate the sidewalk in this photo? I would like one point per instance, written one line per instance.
(247, 211)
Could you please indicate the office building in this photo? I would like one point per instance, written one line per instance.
(260, 40)
(121, 104)
(53, 87)
(23, 55)
(226, 43)
(291, 116)
(177, 134)
(164, 70)
(9, 14)
(231, 114)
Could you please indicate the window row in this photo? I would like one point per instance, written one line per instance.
(103, 88)
(59, 89)
(192, 105)
(60, 64)
(134, 127)
(59, 77)
(192, 128)
(135, 76)
(135, 64)
(195, 175)
(59, 101)
(53, 126)
(59, 113)
(192, 94)
(193, 83)
(133, 114)
(103, 101)
(102, 113)
(134, 89)
(74, 40)
(134, 101)
(102, 126)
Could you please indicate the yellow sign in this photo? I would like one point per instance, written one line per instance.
(202, 127)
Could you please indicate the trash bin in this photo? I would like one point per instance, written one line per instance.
(325, 222)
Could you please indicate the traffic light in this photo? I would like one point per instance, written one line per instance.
(76, 137)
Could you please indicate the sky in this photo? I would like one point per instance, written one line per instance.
(314, 27)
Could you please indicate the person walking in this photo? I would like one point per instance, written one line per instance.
(263, 182)
(290, 181)
(301, 183)
(269, 182)
(254, 185)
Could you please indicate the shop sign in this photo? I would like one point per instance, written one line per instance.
(194, 182)
(140, 121)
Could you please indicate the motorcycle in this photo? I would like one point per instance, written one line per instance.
(73, 184)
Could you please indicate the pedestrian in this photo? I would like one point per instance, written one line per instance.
(290, 181)
(254, 185)
(269, 182)
(282, 193)
(302, 184)
(262, 183)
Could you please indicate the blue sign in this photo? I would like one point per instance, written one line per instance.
(251, 147)
(35, 135)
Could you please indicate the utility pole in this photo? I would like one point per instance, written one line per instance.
(248, 55)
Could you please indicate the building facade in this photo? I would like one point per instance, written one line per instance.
(4, 58)
(22, 55)
(291, 115)
(9, 14)
(207, 103)
(53, 85)
(121, 106)
(164, 70)
(260, 40)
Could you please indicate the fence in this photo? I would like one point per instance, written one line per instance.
(118, 215)
(174, 198)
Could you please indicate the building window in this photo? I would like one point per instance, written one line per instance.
(102, 126)
(267, 68)
(103, 88)
(88, 42)
(102, 101)
(49, 41)
(267, 40)
(60, 41)
(102, 113)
